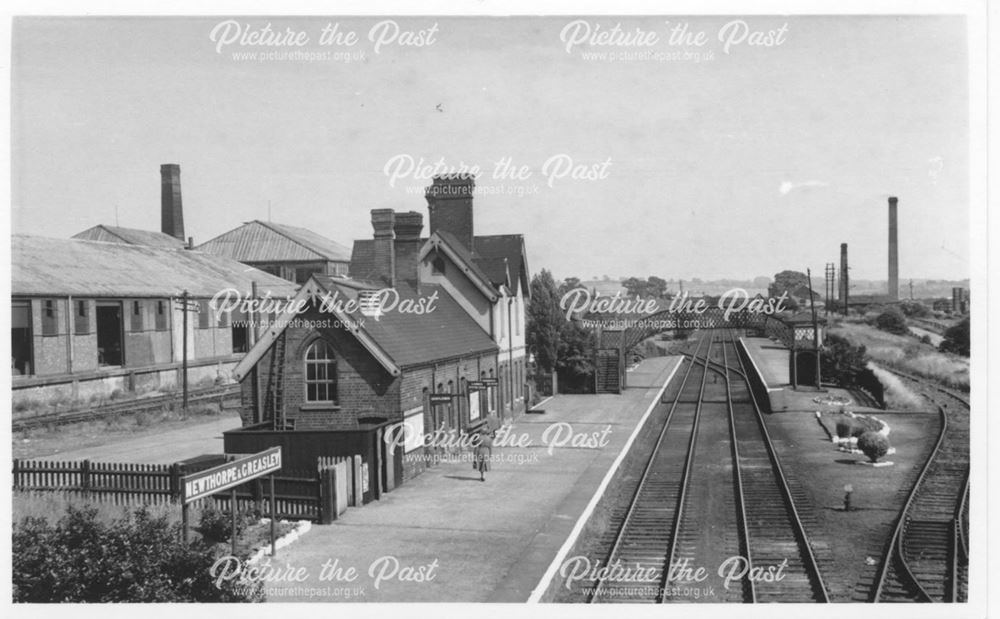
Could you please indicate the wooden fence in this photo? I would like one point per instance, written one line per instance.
(320, 495)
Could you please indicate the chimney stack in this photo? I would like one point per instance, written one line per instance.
(843, 277)
(171, 211)
(893, 251)
(408, 227)
(449, 201)
(383, 222)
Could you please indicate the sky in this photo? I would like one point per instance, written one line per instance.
(640, 156)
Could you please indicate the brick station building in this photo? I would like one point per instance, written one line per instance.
(327, 369)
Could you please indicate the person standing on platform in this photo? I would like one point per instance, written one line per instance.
(483, 453)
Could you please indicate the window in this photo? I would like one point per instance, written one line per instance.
(136, 315)
(203, 314)
(50, 317)
(240, 331)
(81, 318)
(437, 265)
(321, 373)
(503, 320)
(20, 338)
(161, 315)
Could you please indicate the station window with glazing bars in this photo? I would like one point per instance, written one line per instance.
(81, 317)
(161, 315)
(137, 315)
(204, 316)
(321, 373)
(50, 317)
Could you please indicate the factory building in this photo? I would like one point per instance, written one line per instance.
(90, 318)
(288, 252)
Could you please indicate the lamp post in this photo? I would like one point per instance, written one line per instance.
(848, 489)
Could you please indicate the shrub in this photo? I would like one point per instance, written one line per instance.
(956, 339)
(844, 429)
(873, 445)
(892, 321)
(136, 558)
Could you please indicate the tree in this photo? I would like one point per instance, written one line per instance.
(892, 321)
(635, 287)
(559, 345)
(787, 281)
(840, 360)
(873, 445)
(956, 339)
(656, 287)
(544, 320)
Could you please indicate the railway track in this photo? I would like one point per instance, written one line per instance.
(774, 529)
(713, 490)
(928, 554)
(220, 394)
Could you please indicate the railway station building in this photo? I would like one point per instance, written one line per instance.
(487, 275)
(89, 318)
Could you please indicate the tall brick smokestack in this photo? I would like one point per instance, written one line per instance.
(449, 201)
(383, 222)
(893, 251)
(171, 211)
(843, 277)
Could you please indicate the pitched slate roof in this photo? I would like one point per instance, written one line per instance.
(510, 247)
(58, 267)
(129, 236)
(397, 339)
(264, 241)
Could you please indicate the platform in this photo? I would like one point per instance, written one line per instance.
(477, 541)
(770, 362)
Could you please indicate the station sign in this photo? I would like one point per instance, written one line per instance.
(475, 385)
(229, 475)
(490, 382)
(440, 398)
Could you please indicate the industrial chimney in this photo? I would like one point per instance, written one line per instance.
(843, 277)
(171, 211)
(893, 252)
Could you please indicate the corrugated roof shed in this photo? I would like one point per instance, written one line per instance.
(129, 236)
(58, 267)
(260, 241)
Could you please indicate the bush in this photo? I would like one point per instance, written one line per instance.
(892, 321)
(136, 558)
(216, 526)
(956, 339)
(873, 445)
(844, 429)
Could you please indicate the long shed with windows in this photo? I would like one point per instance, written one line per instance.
(89, 318)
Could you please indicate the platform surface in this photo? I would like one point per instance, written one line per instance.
(475, 541)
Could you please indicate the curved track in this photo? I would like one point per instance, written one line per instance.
(928, 554)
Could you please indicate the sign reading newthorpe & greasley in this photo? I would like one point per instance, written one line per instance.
(231, 474)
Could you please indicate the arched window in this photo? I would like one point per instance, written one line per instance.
(321, 373)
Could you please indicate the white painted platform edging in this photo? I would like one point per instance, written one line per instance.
(301, 528)
(543, 584)
(753, 362)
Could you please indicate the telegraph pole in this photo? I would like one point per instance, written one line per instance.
(184, 353)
